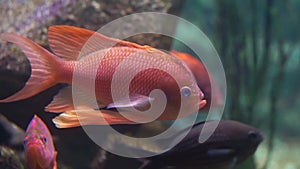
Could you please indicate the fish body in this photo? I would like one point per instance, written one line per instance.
(67, 42)
(231, 143)
(38, 146)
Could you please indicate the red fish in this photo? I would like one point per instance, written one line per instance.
(66, 42)
(38, 144)
(202, 77)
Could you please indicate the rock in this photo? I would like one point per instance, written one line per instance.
(9, 159)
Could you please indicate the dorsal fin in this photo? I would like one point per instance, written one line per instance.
(67, 41)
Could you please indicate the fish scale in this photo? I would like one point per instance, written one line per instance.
(108, 65)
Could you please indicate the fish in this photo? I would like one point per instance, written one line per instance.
(10, 133)
(39, 148)
(66, 42)
(202, 77)
(230, 144)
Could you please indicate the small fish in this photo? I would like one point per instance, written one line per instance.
(48, 69)
(201, 76)
(38, 144)
(231, 143)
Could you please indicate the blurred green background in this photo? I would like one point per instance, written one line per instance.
(258, 43)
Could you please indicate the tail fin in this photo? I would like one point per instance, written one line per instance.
(44, 66)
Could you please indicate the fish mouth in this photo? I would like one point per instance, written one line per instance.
(202, 103)
(35, 143)
(34, 146)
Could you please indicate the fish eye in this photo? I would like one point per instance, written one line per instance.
(252, 135)
(186, 91)
(44, 139)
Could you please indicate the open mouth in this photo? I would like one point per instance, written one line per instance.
(32, 144)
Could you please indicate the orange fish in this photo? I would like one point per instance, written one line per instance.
(38, 146)
(202, 77)
(48, 69)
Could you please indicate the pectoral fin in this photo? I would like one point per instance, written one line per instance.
(151, 165)
(219, 152)
(233, 163)
(137, 101)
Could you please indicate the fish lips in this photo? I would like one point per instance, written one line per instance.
(202, 103)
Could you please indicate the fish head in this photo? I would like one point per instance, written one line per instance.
(250, 141)
(242, 139)
(38, 144)
(192, 97)
(175, 80)
(202, 77)
(182, 92)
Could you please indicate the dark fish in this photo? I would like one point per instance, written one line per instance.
(231, 143)
(10, 133)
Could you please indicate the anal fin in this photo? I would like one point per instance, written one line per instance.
(137, 101)
(88, 116)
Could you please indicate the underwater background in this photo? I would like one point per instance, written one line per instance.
(257, 41)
